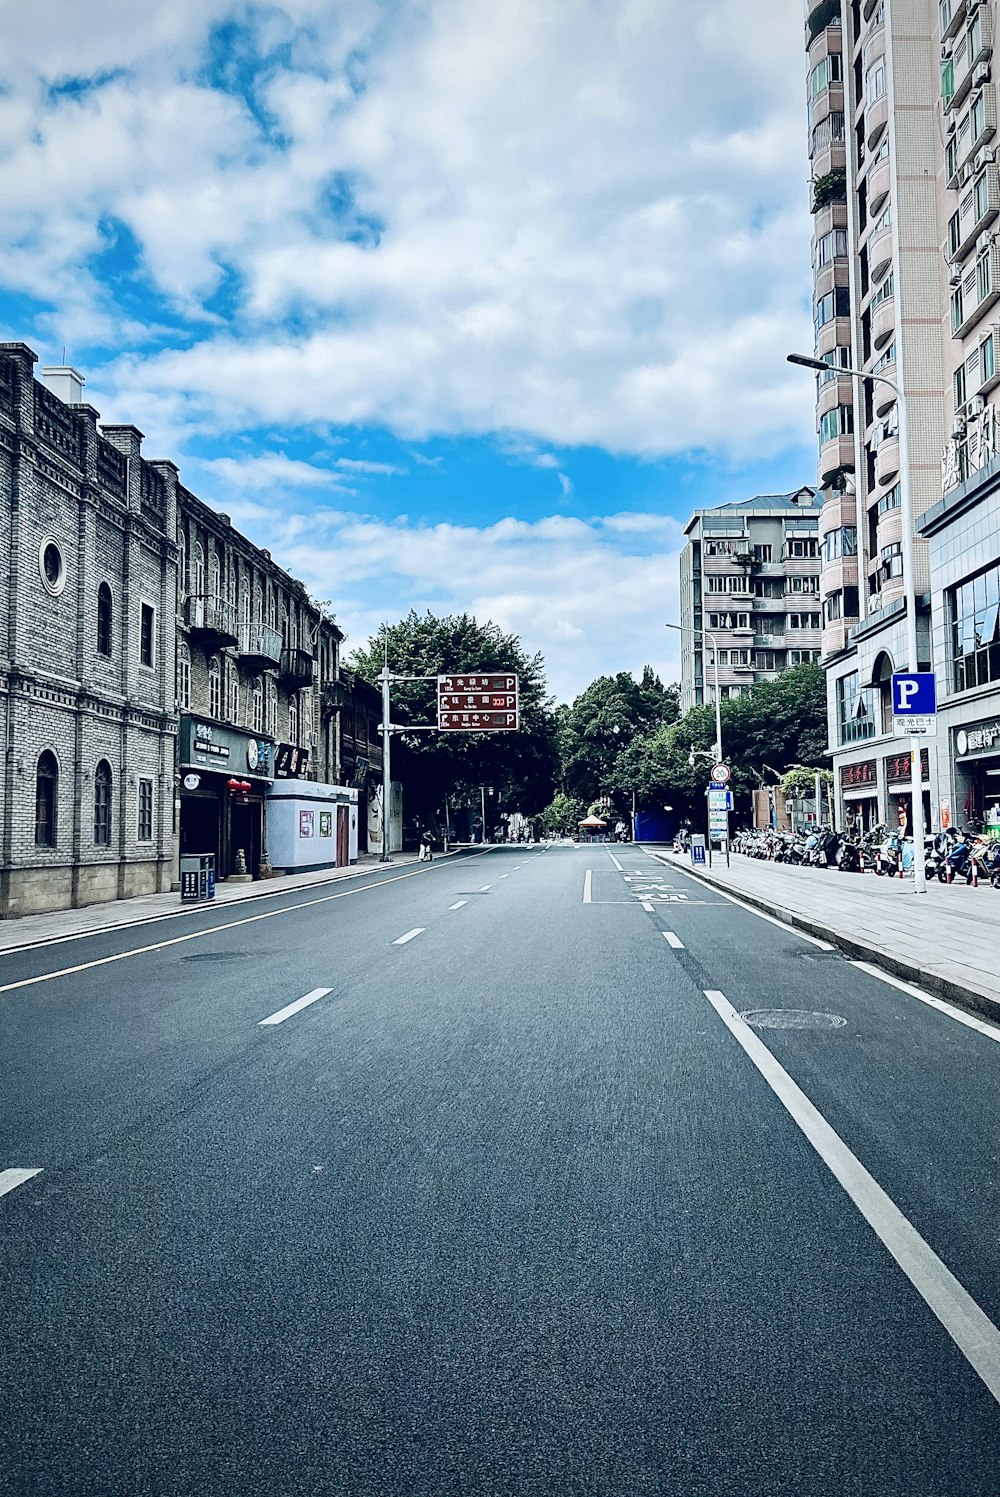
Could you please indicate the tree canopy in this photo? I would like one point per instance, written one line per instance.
(603, 722)
(520, 767)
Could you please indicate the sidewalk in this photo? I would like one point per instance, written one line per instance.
(947, 940)
(28, 930)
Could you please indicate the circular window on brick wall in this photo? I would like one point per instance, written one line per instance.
(52, 566)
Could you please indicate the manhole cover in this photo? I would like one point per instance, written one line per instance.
(791, 1018)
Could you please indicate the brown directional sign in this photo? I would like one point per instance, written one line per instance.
(478, 702)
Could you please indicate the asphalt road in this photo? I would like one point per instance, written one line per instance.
(512, 1207)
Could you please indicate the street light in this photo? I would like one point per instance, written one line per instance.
(909, 586)
(683, 629)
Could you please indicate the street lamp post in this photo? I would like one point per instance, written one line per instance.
(909, 588)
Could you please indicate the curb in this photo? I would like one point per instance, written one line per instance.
(962, 995)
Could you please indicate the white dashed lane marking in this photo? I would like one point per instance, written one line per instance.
(296, 1007)
(402, 940)
(673, 941)
(458, 904)
(11, 1179)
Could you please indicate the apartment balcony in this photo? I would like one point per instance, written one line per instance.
(882, 397)
(833, 334)
(971, 63)
(833, 393)
(971, 222)
(213, 620)
(880, 253)
(876, 119)
(805, 566)
(829, 158)
(834, 637)
(889, 529)
(883, 321)
(831, 216)
(834, 457)
(839, 508)
(803, 639)
(879, 182)
(297, 668)
(260, 647)
(887, 460)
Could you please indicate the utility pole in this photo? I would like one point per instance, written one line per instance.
(386, 732)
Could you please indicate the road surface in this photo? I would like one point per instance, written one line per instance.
(469, 1178)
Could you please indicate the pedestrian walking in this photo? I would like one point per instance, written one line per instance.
(425, 855)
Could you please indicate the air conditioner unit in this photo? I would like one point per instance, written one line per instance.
(980, 161)
(958, 428)
(982, 76)
(966, 174)
(952, 125)
(955, 276)
(988, 157)
(983, 242)
(947, 48)
(976, 406)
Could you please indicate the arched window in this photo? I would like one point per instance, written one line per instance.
(46, 799)
(102, 804)
(234, 696)
(214, 688)
(216, 581)
(271, 721)
(104, 614)
(293, 721)
(182, 565)
(198, 571)
(184, 676)
(258, 708)
(272, 607)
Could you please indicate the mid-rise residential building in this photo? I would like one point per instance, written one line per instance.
(749, 590)
(914, 276)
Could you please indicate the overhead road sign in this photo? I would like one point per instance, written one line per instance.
(478, 702)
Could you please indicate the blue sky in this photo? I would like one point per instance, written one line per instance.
(449, 304)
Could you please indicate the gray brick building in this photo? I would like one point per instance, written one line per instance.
(88, 571)
(158, 672)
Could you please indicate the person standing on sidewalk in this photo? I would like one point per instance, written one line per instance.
(426, 855)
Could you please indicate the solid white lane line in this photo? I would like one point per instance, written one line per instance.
(195, 935)
(296, 1007)
(673, 941)
(458, 904)
(970, 1328)
(11, 1179)
(588, 886)
(981, 1025)
(761, 915)
(616, 862)
(418, 930)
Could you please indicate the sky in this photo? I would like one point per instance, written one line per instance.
(449, 304)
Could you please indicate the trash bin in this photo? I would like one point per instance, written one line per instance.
(197, 877)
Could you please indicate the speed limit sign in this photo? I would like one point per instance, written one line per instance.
(721, 773)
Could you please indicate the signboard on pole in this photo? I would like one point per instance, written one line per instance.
(914, 704)
(721, 773)
(478, 702)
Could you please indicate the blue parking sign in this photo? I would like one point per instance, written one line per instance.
(914, 694)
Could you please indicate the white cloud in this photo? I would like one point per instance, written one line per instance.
(361, 465)
(580, 220)
(254, 475)
(583, 592)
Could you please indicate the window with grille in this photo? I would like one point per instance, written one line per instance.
(102, 804)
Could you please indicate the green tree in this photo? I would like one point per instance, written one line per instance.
(603, 722)
(520, 766)
(563, 814)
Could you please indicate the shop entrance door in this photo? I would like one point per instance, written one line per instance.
(199, 825)
(343, 837)
(245, 834)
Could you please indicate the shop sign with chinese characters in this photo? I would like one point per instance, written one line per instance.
(852, 775)
(897, 768)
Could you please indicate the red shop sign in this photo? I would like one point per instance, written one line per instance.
(858, 774)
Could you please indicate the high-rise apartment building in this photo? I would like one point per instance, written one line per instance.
(880, 304)
(750, 589)
(906, 202)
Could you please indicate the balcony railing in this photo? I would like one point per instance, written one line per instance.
(260, 647)
(213, 617)
(297, 667)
